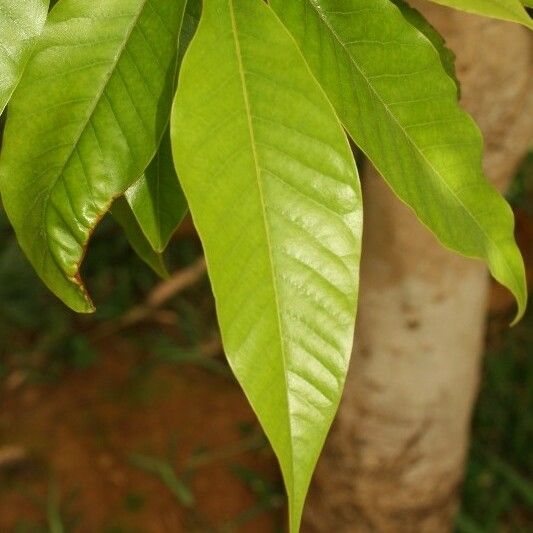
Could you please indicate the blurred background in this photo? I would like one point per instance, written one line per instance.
(129, 420)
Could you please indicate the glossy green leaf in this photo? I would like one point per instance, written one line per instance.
(389, 87)
(123, 214)
(83, 125)
(511, 10)
(156, 199)
(21, 22)
(447, 57)
(274, 194)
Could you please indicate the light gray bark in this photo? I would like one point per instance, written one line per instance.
(394, 460)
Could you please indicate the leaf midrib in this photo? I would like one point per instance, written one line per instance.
(406, 135)
(267, 230)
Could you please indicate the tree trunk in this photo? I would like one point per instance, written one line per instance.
(394, 460)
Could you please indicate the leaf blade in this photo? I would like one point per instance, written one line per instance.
(263, 152)
(447, 56)
(510, 10)
(84, 123)
(391, 92)
(125, 217)
(156, 198)
(20, 24)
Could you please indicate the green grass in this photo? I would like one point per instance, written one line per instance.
(498, 489)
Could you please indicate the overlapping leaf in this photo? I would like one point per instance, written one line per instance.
(2, 124)
(389, 87)
(123, 214)
(191, 18)
(447, 57)
(157, 200)
(273, 190)
(83, 125)
(511, 10)
(21, 22)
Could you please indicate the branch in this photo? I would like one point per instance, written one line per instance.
(162, 293)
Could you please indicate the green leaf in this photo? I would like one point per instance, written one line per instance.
(394, 97)
(83, 125)
(123, 214)
(511, 10)
(20, 24)
(2, 125)
(191, 18)
(156, 199)
(447, 57)
(274, 194)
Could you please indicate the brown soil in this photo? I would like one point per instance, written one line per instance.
(79, 434)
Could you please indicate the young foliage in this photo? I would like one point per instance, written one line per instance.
(397, 102)
(259, 150)
(262, 160)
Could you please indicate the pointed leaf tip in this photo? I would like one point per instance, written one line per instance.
(98, 90)
(273, 191)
